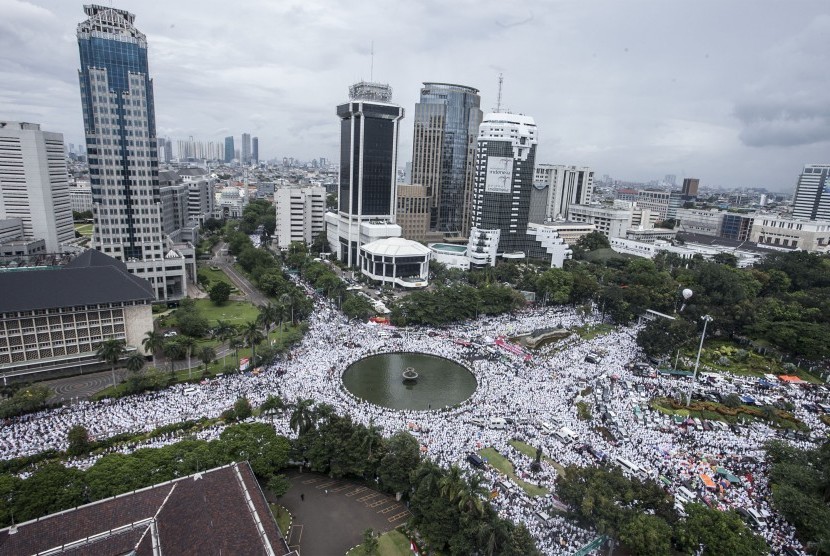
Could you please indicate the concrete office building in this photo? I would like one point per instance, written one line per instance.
(611, 222)
(690, 186)
(396, 261)
(301, 214)
(33, 183)
(120, 127)
(556, 188)
(812, 193)
(785, 233)
(447, 119)
(657, 202)
(413, 211)
(369, 125)
(80, 197)
(54, 319)
(699, 221)
(505, 160)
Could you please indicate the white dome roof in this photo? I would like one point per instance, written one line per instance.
(396, 247)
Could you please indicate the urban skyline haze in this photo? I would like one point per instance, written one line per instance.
(731, 95)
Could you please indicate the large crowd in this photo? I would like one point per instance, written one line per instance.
(533, 394)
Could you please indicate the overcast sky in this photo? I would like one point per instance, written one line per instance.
(736, 93)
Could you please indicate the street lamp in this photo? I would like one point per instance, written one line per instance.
(706, 320)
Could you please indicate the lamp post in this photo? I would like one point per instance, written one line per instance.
(706, 320)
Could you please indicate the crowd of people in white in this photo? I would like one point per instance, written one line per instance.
(536, 397)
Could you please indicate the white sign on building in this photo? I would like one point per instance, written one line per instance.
(499, 174)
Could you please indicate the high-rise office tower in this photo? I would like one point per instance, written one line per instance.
(229, 149)
(556, 188)
(446, 125)
(812, 193)
(120, 127)
(368, 166)
(33, 183)
(255, 150)
(246, 148)
(162, 149)
(690, 186)
(505, 159)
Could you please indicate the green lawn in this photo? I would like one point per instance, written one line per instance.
(530, 452)
(391, 543)
(715, 412)
(84, 229)
(282, 516)
(589, 332)
(215, 276)
(503, 464)
(234, 312)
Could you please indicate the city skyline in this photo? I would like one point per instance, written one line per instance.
(728, 95)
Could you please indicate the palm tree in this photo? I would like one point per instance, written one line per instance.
(111, 351)
(472, 494)
(429, 475)
(252, 337)
(268, 315)
(187, 343)
(451, 484)
(135, 362)
(173, 351)
(287, 301)
(301, 417)
(235, 343)
(223, 332)
(206, 355)
(153, 341)
(372, 438)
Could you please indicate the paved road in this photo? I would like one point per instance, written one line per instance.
(225, 263)
(334, 513)
(82, 386)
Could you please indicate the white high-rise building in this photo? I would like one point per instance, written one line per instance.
(120, 126)
(556, 188)
(812, 194)
(301, 214)
(33, 183)
(246, 148)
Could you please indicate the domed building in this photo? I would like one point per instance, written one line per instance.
(396, 261)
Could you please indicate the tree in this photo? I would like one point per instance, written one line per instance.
(272, 403)
(402, 457)
(135, 362)
(189, 320)
(268, 315)
(647, 535)
(279, 485)
(258, 444)
(590, 242)
(224, 331)
(252, 337)
(356, 307)
(220, 293)
(153, 341)
(554, 286)
(242, 409)
(206, 355)
(173, 350)
(661, 337)
(187, 343)
(301, 420)
(720, 532)
(370, 543)
(235, 343)
(111, 351)
(78, 438)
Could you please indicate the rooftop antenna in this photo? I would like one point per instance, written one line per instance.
(372, 67)
(498, 100)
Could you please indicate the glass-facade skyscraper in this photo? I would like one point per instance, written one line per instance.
(120, 128)
(446, 125)
(255, 150)
(229, 149)
(246, 148)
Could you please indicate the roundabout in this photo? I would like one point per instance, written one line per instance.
(409, 381)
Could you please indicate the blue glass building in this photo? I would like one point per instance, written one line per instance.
(446, 125)
(229, 149)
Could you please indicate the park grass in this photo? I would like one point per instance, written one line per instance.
(530, 452)
(234, 312)
(84, 229)
(713, 411)
(503, 464)
(589, 332)
(391, 543)
(216, 276)
(282, 516)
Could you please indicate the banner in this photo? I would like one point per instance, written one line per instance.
(499, 174)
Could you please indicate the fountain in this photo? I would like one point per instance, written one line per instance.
(409, 375)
